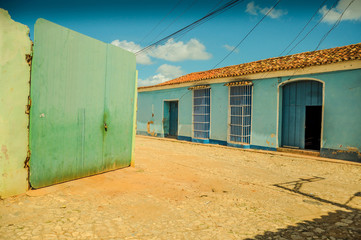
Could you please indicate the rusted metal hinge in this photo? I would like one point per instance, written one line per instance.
(26, 163)
(28, 58)
(28, 106)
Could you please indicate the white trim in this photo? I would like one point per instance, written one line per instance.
(192, 113)
(333, 67)
(229, 115)
(210, 111)
(171, 100)
(278, 105)
(250, 140)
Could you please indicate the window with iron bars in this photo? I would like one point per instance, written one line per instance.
(201, 113)
(240, 106)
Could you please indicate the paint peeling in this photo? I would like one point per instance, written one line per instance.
(28, 58)
(273, 135)
(267, 142)
(148, 129)
(349, 150)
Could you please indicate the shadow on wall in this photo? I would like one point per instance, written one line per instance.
(335, 225)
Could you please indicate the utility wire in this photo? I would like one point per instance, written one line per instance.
(270, 10)
(152, 30)
(182, 13)
(211, 17)
(334, 25)
(334, 4)
(185, 32)
(304, 27)
(189, 27)
(326, 34)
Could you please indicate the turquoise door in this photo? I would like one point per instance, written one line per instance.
(297, 96)
(83, 100)
(173, 118)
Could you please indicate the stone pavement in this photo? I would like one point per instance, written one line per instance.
(189, 191)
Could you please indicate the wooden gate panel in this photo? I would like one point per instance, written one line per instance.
(70, 101)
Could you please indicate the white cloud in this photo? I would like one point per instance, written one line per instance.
(275, 13)
(352, 13)
(171, 51)
(132, 47)
(255, 10)
(180, 51)
(252, 9)
(231, 48)
(165, 72)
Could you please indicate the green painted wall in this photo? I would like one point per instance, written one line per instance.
(14, 81)
(79, 84)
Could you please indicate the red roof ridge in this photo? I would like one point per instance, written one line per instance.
(288, 62)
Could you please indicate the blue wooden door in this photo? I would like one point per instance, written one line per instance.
(173, 118)
(296, 96)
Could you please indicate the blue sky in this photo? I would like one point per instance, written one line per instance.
(128, 24)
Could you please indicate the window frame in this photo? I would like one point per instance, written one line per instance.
(210, 103)
(242, 116)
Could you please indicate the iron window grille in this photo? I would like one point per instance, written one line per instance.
(201, 113)
(240, 107)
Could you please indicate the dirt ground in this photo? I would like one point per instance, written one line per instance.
(181, 190)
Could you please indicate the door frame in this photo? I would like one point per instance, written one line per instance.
(170, 100)
(280, 110)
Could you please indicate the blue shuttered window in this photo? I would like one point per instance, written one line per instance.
(240, 102)
(201, 113)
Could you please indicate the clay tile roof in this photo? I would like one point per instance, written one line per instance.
(300, 60)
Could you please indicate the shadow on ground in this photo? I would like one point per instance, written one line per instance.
(334, 226)
(339, 225)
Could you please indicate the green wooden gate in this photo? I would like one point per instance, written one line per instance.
(83, 95)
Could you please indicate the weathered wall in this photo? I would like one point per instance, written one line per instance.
(264, 113)
(341, 122)
(15, 44)
(150, 111)
(342, 115)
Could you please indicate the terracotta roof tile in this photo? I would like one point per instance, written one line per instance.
(300, 60)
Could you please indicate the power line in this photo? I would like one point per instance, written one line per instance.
(304, 27)
(152, 30)
(185, 32)
(328, 32)
(334, 4)
(335, 25)
(181, 14)
(211, 17)
(191, 26)
(270, 10)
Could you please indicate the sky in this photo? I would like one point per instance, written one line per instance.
(135, 24)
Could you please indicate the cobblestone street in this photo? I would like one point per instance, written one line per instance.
(180, 190)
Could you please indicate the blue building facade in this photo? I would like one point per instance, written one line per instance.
(304, 101)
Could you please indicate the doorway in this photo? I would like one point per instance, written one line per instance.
(170, 120)
(302, 115)
(313, 127)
